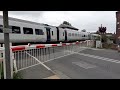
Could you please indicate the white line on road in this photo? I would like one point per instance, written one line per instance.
(84, 65)
(98, 57)
(63, 55)
(88, 55)
(39, 61)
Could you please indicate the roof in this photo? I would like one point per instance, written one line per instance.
(25, 21)
(67, 26)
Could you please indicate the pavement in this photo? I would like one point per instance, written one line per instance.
(52, 77)
(89, 63)
(37, 72)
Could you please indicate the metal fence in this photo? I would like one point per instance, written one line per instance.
(1, 62)
(29, 57)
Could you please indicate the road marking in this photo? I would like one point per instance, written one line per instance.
(98, 57)
(63, 55)
(61, 74)
(84, 65)
(39, 62)
(42, 63)
(57, 58)
(52, 77)
(95, 49)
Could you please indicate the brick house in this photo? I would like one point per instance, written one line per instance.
(117, 25)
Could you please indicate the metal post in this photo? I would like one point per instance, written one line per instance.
(100, 41)
(7, 45)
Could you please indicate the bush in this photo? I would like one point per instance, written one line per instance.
(110, 46)
(1, 70)
(15, 75)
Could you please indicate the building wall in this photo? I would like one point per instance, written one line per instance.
(117, 25)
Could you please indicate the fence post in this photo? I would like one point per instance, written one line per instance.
(11, 62)
(4, 65)
(1, 54)
(0, 64)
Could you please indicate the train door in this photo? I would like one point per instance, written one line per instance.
(48, 34)
(57, 33)
(65, 35)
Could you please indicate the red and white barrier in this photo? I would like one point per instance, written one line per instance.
(26, 56)
(27, 47)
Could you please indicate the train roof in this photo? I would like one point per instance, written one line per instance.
(67, 26)
(26, 21)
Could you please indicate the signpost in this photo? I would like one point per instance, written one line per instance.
(7, 67)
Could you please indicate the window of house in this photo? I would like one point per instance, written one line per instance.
(16, 29)
(27, 30)
(39, 32)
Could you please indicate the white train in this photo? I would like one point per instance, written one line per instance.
(31, 32)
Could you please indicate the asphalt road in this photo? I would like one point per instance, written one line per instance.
(88, 64)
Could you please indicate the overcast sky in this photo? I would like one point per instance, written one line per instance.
(89, 20)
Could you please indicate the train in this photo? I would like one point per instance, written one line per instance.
(23, 31)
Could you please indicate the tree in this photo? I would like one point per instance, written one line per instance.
(104, 38)
(66, 23)
(83, 30)
(97, 32)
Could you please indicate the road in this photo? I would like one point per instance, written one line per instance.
(88, 64)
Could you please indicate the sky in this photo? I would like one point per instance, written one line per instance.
(89, 20)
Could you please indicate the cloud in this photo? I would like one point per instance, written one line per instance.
(89, 20)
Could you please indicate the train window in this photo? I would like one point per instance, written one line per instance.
(83, 35)
(69, 34)
(52, 33)
(75, 34)
(1, 28)
(16, 29)
(39, 32)
(63, 33)
(72, 34)
(27, 30)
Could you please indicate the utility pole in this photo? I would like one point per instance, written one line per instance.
(7, 45)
